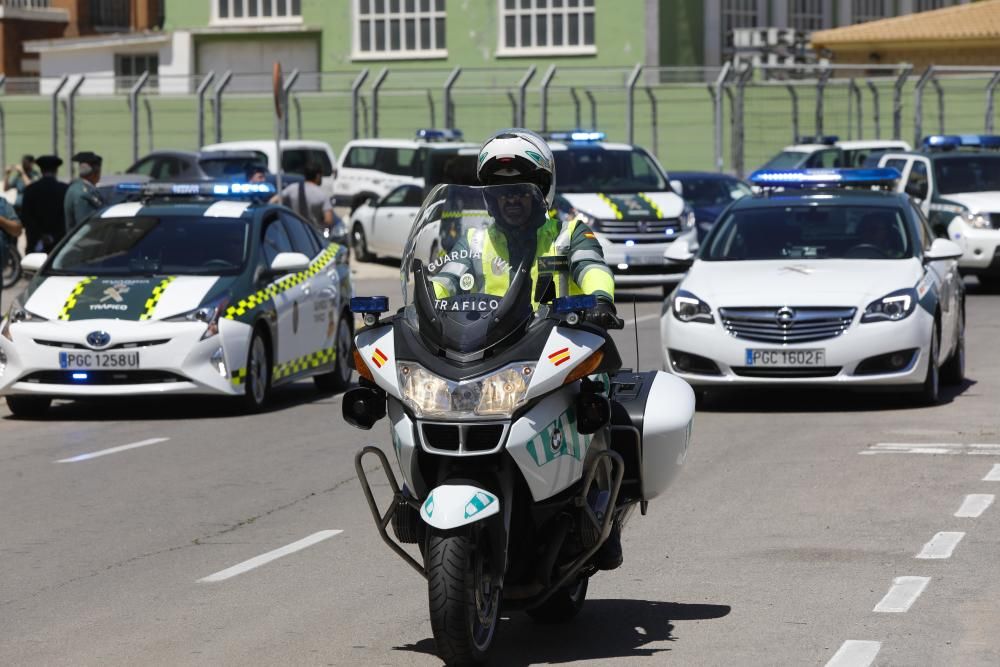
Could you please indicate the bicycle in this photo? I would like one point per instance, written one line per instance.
(10, 263)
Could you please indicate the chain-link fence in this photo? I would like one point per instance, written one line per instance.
(726, 119)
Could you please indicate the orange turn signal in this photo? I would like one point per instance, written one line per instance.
(589, 365)
(361, 367)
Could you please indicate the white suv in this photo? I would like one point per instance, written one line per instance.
(369, 169)
(295, 155)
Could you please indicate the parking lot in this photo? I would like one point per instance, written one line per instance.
(813, 527)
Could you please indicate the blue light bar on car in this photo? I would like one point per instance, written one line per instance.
(435, 134)
(369, 304)
(200, 189)
(947, 141)
(576, 135)
(571, 304)
(826, 139)
(814, 178)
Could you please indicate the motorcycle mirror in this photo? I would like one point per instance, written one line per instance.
(545, 288)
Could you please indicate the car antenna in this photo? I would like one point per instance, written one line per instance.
(635, 327)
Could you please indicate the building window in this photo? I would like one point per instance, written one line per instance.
(870, 10)
(805, 15)
(399, 29)
(256, 11)
(109, 15)
(738, 14)
(546, 27)
(924, 5)
(130, 66)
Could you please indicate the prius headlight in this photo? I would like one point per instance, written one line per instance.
(494, 395)
(17, 313)
(892, 307)
(689, 308)
(209, 314)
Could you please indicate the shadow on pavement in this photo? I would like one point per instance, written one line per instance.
(604, 630)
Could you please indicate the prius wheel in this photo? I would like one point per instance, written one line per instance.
(464, 597)
(563, 605)
(359, 244)
(930, 390)
(340, 378)
(257, 385)
(953, 370)
(29, 407)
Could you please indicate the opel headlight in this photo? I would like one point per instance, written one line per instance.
(977, 220)
(209, 314)
(494, 395)
(688, 218)
(892, 307)
(689, 308)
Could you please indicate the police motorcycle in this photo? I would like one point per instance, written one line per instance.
(519, 439)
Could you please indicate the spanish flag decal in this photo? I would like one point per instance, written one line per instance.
(559, 356)
(379, 358)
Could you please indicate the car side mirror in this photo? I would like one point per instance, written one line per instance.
(33, 262)
(942, 249)
(288, 262)
(916, 190)
(677, 187)
(679, 252)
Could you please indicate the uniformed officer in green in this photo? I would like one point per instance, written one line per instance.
(83, 198)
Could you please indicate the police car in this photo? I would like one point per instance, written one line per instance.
(828, 151)
(194, 289)
(819, 280)
(956, 179)
(623, 194)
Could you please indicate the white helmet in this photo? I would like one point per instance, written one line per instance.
(518, 156)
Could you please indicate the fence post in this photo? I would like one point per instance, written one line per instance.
(200, 92)
(217, 103)
(990, 89)
(286, 90)
(739, 149)
(940, 95)
(513, 108)
(55, 116)
(3, 125)
(578, 119)
(875, 114)
(379, 80)
(544, 90)
(918, 104)
(854, 91)
(430, 107)
(522, 95)
(356, 100)
(821, 82)
(449, 106)
(593, 110)
(133, 104)
(70, 123)
(653, 121)
(363, 103)
(629, 103)
(794, 94)
(149, 123)
(897, 100)
(719, 113)
(298, 116)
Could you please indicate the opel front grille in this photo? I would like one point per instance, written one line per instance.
(787, 325)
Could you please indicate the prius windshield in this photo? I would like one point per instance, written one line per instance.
(151, 245)
(810, 232)
(467, 264)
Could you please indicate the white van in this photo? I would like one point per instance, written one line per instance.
(295, 154)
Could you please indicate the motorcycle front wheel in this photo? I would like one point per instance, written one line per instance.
(464, 597)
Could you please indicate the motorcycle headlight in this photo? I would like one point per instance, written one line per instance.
(17, 313)
(209, 314)
(977, 220)
(688, 308)
(892, 307)
(494, 395)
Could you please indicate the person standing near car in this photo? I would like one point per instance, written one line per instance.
(42, 209)
(10, 229)
(309, 200)
(20, 176)
(82, 197)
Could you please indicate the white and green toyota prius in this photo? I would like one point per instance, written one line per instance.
(195, 289)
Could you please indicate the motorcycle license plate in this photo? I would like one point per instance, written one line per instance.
(779, 358)
(94, 361)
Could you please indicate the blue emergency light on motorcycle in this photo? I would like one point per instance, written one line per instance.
(952, 141)
(369, 304)
(572, 304)
(824, 178)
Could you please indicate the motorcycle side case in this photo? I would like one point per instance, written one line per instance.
(651, 417)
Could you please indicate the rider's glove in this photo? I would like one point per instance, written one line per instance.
(604, 315)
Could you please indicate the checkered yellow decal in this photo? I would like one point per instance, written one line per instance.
(154, 298)
(251, 302)
(239, 377)
(71, 299)
(652, 204)
(614, 206)
(293, 367)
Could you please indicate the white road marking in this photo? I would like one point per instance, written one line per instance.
(974, 505)
(994, 474)
(902, 595)
(855, 653)
(264, 559)
(941, 545)
(975, 449)
(112, 450)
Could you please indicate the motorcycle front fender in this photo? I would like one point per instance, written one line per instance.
(451, 506)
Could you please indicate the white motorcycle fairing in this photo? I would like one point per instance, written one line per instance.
(564, 351)
(452, 506)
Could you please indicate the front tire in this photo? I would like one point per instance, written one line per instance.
(257, 385)
(464, 598)
(930, 390)
(29, 407)
(340, 378)
(953, 370)
(359, 244)
(563, 605)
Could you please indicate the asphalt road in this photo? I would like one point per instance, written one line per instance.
(780, 542)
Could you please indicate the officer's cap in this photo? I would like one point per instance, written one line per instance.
(88, 157)
(49, 162)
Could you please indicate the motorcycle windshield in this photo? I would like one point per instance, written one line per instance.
(467, 265)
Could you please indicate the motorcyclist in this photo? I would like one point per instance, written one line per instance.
(519, 156)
